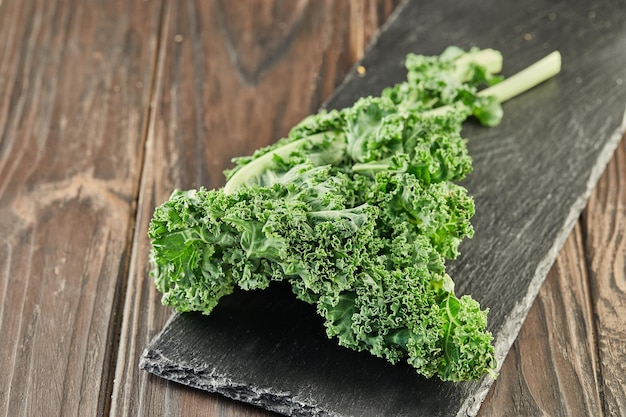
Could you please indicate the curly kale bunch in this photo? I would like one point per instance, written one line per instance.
(358, 209)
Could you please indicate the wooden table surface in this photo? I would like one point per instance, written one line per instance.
(106, 106)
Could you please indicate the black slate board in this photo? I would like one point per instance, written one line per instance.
(532, 177)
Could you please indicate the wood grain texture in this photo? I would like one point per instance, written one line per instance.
(231, 77)
(552, 368)
(74, 85)
(605, 245)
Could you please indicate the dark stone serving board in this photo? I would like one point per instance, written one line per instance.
(532, 177)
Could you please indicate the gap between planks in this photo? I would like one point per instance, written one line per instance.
(122, 301)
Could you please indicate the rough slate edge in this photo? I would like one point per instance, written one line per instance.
(156, 362)
(175, 367)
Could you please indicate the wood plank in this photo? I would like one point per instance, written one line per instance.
(230, 79)
(74, 85)
(516, 158)
(552, 368)
(605, 231)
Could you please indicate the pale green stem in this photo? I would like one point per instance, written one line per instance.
(369, 166)
(259, 165)
(490, 59)
(526, 79)
(510, 87)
